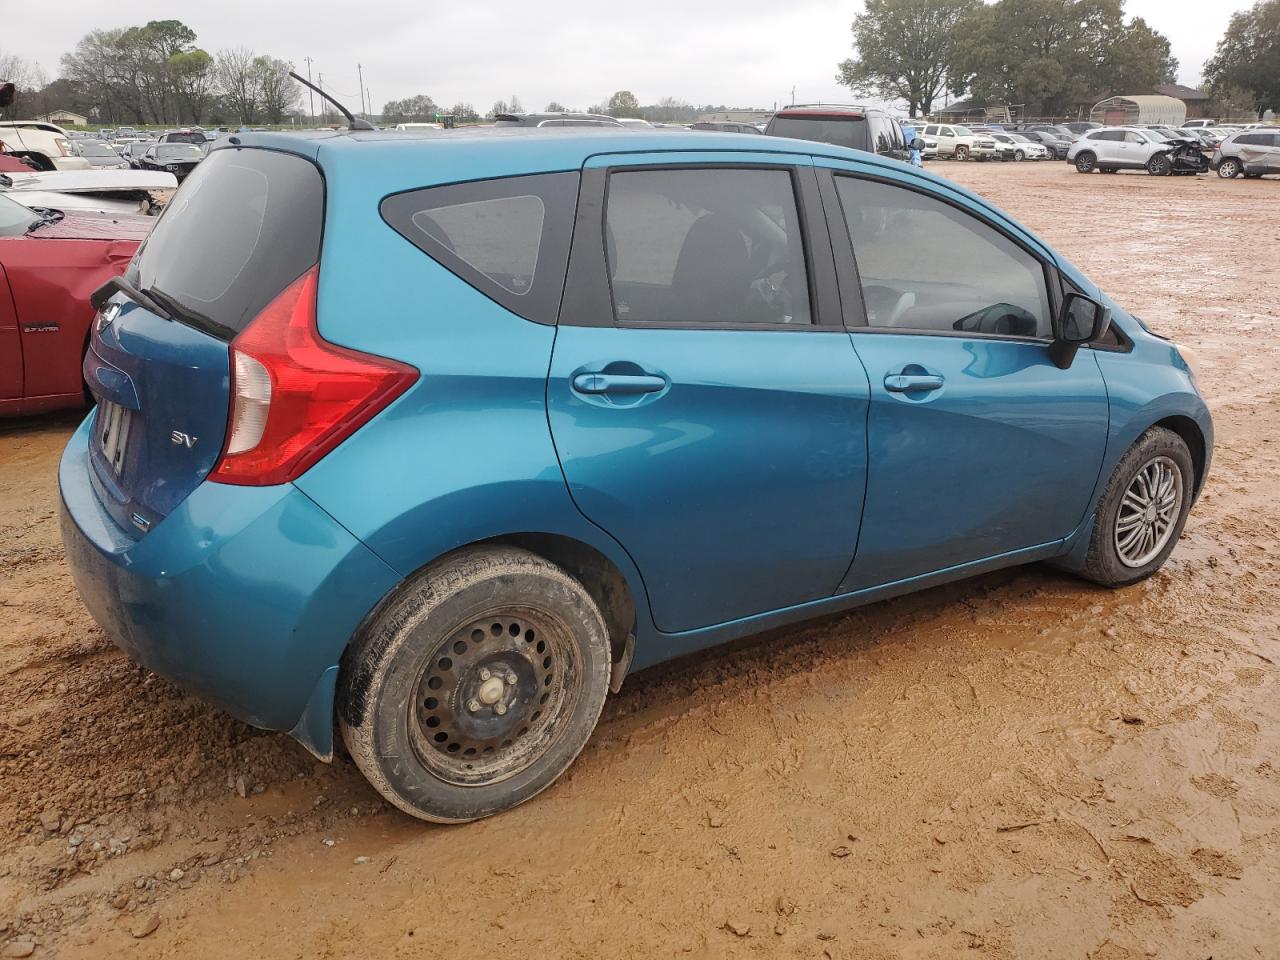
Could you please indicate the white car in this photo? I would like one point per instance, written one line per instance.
(45, 143)
(104, 191)
(960, 142)
(1128, 148)
(1024, 148)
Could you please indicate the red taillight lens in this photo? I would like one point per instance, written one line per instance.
(294, 395)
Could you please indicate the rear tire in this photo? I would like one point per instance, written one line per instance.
(1142, 511)
(476, 686)
(1086, 161)
(1229, 169)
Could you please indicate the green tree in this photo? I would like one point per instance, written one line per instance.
(464, 112)
(555, 106)
(416, 109)
(623, 104)
(1045, 55)
(1248, 56)
(191, 74)
(905, 49)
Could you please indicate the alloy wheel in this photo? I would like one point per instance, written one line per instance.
(1148, 512)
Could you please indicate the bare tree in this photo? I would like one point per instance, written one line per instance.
(235, 74)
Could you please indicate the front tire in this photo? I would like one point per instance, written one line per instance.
(476, 686)
(1160, 165)
(962, 152)
(1142, 511)
(1086, 161)
(1019, 155)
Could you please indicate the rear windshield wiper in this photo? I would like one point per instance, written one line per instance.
(116, 285)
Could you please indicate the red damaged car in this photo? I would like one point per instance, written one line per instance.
(50, 261)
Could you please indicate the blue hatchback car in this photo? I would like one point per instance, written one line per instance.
(437, 437)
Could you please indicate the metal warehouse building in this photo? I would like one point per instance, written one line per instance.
(1125, 111)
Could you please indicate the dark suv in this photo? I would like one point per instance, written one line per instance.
(862, 128)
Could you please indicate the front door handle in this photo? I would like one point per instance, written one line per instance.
(618, 383)
(902, 382)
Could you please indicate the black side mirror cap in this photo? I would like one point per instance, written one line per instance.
(1082, 319)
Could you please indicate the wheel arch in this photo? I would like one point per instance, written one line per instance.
(1194, 438)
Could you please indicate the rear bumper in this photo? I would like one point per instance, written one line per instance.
(244, 596)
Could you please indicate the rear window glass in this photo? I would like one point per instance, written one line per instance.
(508, 238)
(841, 132)
(244, 225)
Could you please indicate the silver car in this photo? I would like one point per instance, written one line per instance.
(1253, 152)
(1024, 148)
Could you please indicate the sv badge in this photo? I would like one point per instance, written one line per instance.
(183, 439)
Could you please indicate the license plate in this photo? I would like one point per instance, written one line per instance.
(113, 433)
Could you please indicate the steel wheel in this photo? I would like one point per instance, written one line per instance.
(1148, 512)
(489, 702)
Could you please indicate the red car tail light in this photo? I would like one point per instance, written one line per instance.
(294, 395)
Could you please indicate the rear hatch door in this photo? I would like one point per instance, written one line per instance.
(244, 225)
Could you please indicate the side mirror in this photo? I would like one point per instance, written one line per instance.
(917, 144)
(1081, 320)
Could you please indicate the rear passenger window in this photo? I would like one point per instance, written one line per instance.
(694, 247)
(508, 238)
(926, 265)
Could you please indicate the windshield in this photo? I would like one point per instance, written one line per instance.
(15, 219)
(1155, 135)
(95, 149)
(963, 131)
(1062, 131)
(178, 151)
(1019, 138)
(138, 149)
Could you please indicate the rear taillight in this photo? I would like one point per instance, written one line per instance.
(294, 395)
(63, 147)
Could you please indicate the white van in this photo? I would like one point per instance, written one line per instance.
(46, 144)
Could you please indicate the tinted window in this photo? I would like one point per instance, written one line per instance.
(508, 238)
(926, 265)
(243, 226)
(931, 130)
(851, 132)
(696, 247)
(1255, 139)
(1116, 135)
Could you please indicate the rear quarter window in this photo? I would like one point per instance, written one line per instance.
(508, 237)
(839, 131)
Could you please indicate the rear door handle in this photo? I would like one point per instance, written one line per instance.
(617, 383)
(902, 382)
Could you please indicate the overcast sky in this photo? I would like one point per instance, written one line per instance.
(740, 53)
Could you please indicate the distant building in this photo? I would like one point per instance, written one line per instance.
(64, 118)
(1199, 103)
(1139, 109)
(738, 116)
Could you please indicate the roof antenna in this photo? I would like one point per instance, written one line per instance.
(356, 123)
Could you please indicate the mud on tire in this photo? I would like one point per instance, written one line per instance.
(1117, 509)
(476, 685)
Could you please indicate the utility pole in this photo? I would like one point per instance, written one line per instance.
(364, 110)
(311, 96)
(793, 93)
(324, 104)
(369, 100)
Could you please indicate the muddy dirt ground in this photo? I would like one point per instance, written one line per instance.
(1018, 766)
